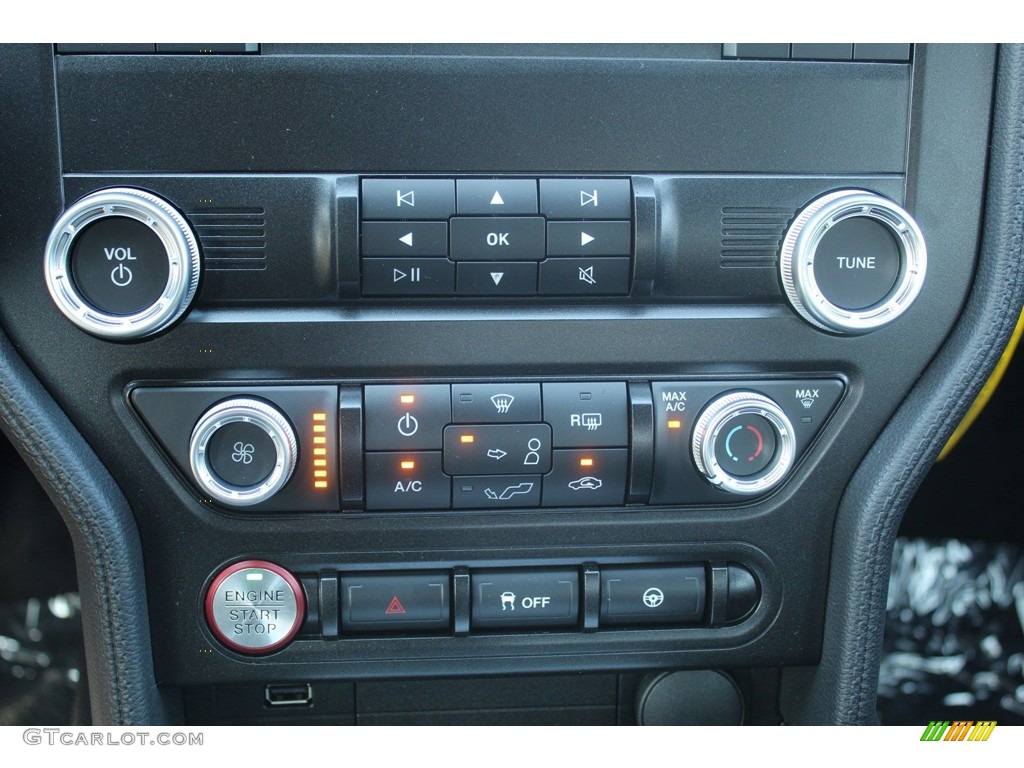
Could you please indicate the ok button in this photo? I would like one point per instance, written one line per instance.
(497, 238)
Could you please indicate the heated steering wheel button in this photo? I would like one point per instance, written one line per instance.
(656, 595)
(119, 265)
(242, 454)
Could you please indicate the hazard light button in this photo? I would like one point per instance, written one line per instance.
(390, 602)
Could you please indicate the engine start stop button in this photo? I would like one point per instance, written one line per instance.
(255, 607)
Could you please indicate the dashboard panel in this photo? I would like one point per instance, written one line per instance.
(431, 364)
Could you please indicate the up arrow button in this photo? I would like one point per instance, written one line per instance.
(496, 196)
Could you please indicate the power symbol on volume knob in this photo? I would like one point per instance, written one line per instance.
(121, 276)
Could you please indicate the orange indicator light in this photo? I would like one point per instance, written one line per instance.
(319, 440)
(319, 451)
(319, 462)
(319, 427)
(408, 399)
(675, 424)
(467, 438)
(320, 484)
(408, 465)
(586, 462)
(319, 417)
(320, 473)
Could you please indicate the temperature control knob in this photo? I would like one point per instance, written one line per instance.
(122, 264)
(743, 443)
(242, 452)
(852, 262)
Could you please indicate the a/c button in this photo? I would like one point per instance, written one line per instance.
(411, 480)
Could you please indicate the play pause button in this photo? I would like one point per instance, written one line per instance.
(496, 278)
(408, 277)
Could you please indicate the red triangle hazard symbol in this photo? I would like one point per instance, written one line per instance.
(395, 606)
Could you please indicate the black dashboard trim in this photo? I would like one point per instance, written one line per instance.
(842, 690)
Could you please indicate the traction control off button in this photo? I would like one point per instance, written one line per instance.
(255, 607)
(525, 599)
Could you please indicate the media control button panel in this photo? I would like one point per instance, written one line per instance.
(496, 237)
(488, 445)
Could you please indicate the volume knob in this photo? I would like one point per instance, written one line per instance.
(122, 264)
(852, 262)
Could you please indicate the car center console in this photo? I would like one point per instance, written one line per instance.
(469, 363)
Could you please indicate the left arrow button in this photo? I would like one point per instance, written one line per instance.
(404, 238)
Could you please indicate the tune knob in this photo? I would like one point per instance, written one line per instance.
(852, 262)
(122, 264)
(242, 451)
(743, 443)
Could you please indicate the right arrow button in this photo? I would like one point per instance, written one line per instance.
(590, 238)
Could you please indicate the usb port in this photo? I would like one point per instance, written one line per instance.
(289, 695)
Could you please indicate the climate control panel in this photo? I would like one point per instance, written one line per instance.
(512, 445)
